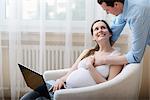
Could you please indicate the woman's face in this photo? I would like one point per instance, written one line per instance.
(100, 31)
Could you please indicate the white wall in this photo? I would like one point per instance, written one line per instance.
(145, 87)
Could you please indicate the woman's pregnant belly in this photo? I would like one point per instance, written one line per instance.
(79, 78)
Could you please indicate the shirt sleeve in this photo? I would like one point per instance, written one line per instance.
(117, 27)
(139, 28)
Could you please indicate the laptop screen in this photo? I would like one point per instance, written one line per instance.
(34, 80)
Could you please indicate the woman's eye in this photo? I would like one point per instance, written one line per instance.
(96, 28)
(103, 27)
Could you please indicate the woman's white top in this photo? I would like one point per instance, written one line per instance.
(82, 77)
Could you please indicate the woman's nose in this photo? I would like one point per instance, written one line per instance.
(101, 30)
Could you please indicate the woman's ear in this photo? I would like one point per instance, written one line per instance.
(110, 35)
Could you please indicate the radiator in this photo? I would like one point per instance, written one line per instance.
(54, 58)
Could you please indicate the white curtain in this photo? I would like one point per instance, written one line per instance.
(38, 36)
(14, 38)
(1, 62)
(1, 72)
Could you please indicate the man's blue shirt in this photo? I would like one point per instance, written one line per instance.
(137, 14)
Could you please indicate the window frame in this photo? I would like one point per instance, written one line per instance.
(50, 25)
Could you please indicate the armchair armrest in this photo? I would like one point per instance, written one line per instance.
(54, 74)
(124, 86)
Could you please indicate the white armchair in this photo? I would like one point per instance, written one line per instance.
(125, 86)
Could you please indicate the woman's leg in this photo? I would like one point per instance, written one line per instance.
(50, 84)
(42, 98)
(34, 95)
(30, 96)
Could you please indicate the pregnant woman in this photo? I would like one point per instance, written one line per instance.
(86, 71)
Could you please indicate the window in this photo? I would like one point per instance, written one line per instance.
(30, 9)
(53, 12)
(54, 9)
(57, 9)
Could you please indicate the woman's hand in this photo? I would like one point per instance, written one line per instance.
(58, 85)
(90, 61)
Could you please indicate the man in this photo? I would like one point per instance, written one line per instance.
(137, 14)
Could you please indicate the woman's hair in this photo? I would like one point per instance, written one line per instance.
(109, 2)
(96, 48)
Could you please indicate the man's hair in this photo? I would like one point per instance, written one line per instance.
(109, 2)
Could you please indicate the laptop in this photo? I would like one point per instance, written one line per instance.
(35, 81)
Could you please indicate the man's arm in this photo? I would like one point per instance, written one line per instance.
(138, 40)
(114, 60)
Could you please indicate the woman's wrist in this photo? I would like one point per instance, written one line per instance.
(59, 79)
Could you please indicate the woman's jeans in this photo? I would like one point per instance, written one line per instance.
(34, 95)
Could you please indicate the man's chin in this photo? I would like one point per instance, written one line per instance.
(114, 14)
